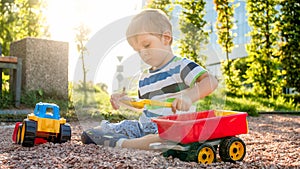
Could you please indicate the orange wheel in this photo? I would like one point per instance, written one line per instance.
(19, 132)
(232, 149)
(206, 154)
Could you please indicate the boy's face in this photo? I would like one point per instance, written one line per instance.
(153, 49)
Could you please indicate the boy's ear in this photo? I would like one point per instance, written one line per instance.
(167, 37)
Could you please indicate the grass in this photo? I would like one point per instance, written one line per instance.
(250, 104)
(97, 105)
(100, 106)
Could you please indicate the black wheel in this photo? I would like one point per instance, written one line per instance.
(19, 132)
(232, 149)
(216, 148)
(169, 153)
(28, 133)
(64, 134)
(206, 154)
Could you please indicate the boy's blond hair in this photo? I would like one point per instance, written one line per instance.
(153, 21)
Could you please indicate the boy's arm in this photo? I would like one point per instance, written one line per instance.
(205, 84)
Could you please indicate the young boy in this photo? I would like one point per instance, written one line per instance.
(170, 79)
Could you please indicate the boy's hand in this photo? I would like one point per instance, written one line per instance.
(182, 103)
(114, 100)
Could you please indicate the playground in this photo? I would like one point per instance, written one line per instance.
(50, 56)
(273, 141)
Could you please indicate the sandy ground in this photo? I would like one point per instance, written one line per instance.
(273, 141)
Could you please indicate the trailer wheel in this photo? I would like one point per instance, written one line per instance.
(169, 153)
(28, 133)
(64, 134)
(232, 149)
(206, 154)
(19, 132)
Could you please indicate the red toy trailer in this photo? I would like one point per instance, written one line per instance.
(197, 136)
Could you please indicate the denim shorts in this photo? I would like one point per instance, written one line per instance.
(130, 128)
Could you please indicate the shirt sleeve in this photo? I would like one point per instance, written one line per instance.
(190, 72)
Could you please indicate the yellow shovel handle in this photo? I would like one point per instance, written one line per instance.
(159, 103)
(142, 103)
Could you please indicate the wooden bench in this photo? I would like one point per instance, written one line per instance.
(15, 64)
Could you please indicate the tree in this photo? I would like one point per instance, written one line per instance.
(224, 25)
(289, 28)
(20, 19)
(264, 67)
(238, 68)
(191, 26)
(81, 38)
(164, 5)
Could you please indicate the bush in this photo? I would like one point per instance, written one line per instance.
(6, 100)
(12, 117)
(294, 97)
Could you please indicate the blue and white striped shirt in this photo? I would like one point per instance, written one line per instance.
(164, 83)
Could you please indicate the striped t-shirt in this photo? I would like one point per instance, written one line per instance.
(164, 83)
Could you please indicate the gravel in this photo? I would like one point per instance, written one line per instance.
(273, 142)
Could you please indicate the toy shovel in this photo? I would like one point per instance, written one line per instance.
(141, 103)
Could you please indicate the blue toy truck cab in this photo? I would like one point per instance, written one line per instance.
(47, 110)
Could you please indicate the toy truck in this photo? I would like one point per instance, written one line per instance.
(45, 124)
(197, 136)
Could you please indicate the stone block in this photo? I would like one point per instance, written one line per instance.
(45, 65)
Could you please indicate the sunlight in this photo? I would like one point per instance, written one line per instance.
(64, 16)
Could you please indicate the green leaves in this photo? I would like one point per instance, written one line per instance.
(289, 28)
(224, 25)
(273, 53)
(263, 73)
(20, 19)
(191, 25)
(191, 22)
(164, 5)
